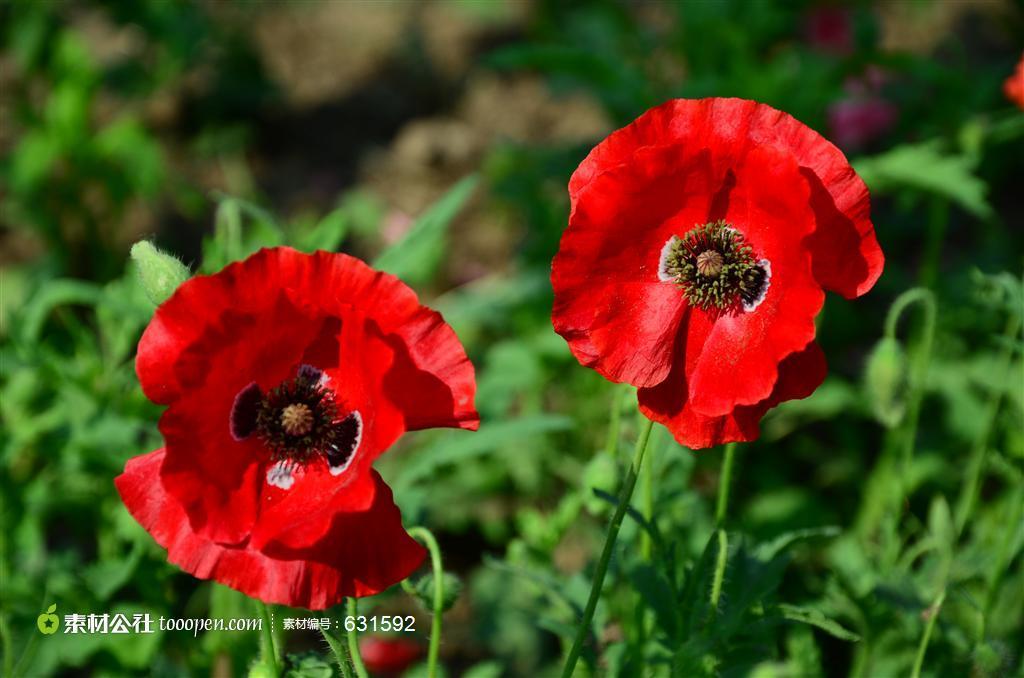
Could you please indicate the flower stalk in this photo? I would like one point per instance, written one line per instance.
(425, 535)
(625, 494)
(269, 653)
(352, 638)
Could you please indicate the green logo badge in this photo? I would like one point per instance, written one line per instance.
(48, 622)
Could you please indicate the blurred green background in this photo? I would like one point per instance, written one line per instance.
(436, 140)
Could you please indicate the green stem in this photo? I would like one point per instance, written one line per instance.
(923, 646)
(1002, 561)
(611, 446)
(646, 551)
(268, 648)
(424, 535)
(976, 463)
(353, 640)
(723, 556)
(625, 494)
(938, 221)
(918, 374)
(647, 475)
(340, 655)
(722, 505)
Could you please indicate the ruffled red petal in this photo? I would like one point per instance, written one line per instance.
(799, 375)
(364, 552)
(621, 319)
(846, 256)
(388, 358)
(328, 285)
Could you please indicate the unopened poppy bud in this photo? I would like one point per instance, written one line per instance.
(885, 380)
(424, 588)
(159, 273)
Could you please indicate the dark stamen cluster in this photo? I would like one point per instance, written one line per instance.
(296, 420)
(715, 267)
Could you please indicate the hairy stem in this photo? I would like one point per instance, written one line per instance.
(352, 610)
(722, 505)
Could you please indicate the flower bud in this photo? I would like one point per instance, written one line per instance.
(424, 588)
(159, 273)
(885, 380)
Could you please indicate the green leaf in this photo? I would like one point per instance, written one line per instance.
(416, 256)
(53, 294)
(453, 448)
(307, 665)
(327, 234)
(924, 167)
(771, 549)
(809, 615)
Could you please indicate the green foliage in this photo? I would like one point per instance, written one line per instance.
(897, 485)
(416, 256)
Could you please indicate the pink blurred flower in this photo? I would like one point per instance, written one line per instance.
(854, 123)
(863, 115)
(395, 225)
(829, 29)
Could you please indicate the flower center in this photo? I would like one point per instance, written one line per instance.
(715, 268)
(709, 263)
(298, 422)
(297, 419)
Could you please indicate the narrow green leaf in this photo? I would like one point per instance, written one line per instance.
(809, 615)
(416, 256)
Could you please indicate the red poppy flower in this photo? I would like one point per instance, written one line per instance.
(285, 376)
(388, 656)
(700, 240)
(1014, 85)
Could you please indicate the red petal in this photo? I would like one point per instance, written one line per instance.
(610, 305)
(799, 375)
(738, 362)
(216, 478)
(391, 359)
(847, 258)
(388, 655)
(364, 553)
(326, 284)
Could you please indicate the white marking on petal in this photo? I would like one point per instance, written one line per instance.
(281, 475)
(338, 470)
(767, 267)
(663, 275)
